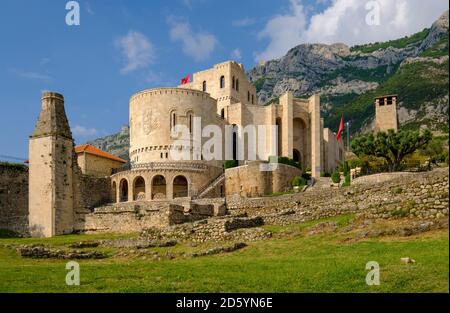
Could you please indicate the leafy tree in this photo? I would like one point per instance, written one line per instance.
(434, 150)
(392, 146)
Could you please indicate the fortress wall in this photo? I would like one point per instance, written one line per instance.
(14, 198)
(249, 181)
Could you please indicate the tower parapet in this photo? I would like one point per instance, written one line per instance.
(386, 113)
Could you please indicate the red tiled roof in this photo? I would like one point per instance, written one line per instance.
(95, 151)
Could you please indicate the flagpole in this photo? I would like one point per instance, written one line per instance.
(348, 136)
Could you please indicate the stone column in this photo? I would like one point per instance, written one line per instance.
(316, 144)
(286, 102)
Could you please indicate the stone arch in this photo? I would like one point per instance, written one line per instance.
(123, 189)
(139, 188)
(300, 139)
(114, 192)
(235, 142)
(296, 156)
(159, 187)
(279, 137)
(180, 187)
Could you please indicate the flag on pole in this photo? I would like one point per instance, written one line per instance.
(186, 80)
(341, 128)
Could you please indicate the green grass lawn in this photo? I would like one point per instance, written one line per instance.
(289, 262)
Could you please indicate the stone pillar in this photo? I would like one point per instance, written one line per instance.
(316, 144)
(51, 173)
(287, 139)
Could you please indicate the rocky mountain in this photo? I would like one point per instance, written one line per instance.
(348, 78)
(117, 144)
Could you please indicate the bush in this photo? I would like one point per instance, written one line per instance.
(287, 161)
(306, 176)
(336, 177)
(230, 163)
(298, 181)
(346, 181)
(354, 163)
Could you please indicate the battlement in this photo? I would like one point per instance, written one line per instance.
(170, 90)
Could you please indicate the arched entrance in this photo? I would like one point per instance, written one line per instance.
(296, 156)
(278, 124)
(114, 192)
(180, 187)
(301, 139)
(158, 187)
(123, 190)
(139, 188)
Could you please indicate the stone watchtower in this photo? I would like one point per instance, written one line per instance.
(51, 171)
(386, 113)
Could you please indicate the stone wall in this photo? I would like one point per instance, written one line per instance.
(250, 181)
(14, 198)
(136, 216)
(423, 195)
(94, 191)
(214, 229)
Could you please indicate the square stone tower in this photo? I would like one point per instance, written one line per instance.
(51, 171)
(386, 113)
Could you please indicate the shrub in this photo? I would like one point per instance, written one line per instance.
(346, 180)
(354, 163)
(336, 177)
(306, 176)
(298, 181)
(287, 161)
(230, 163)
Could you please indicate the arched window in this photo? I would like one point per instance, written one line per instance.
(235, 139)
(190, 120)
(123, 190)
(204, 85)
(158, 187)
(180, 187)
(173, 120)
(237, 84)
(222, 81)
(253, 99)
(248, 96)
(139, 188)
(222, 113)
(233, 83)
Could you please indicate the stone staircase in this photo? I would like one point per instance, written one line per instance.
(204, 192)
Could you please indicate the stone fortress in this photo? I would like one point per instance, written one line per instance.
(85, 189)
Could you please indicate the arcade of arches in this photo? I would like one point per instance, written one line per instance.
(157, 188)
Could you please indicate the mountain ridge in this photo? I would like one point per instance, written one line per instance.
(348, 78)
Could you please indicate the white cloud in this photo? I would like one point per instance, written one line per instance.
(89, 8)
(236, 54)
(83, 131)
(198, 45)
(30, 75)
(345, 21)
(247, 21)
(137, 50)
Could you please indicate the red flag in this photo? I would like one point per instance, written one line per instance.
(341, 128)
(186, 79)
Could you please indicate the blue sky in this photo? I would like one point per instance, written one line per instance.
(121, 47)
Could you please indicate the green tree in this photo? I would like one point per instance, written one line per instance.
(392, 146)
(434, 150)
